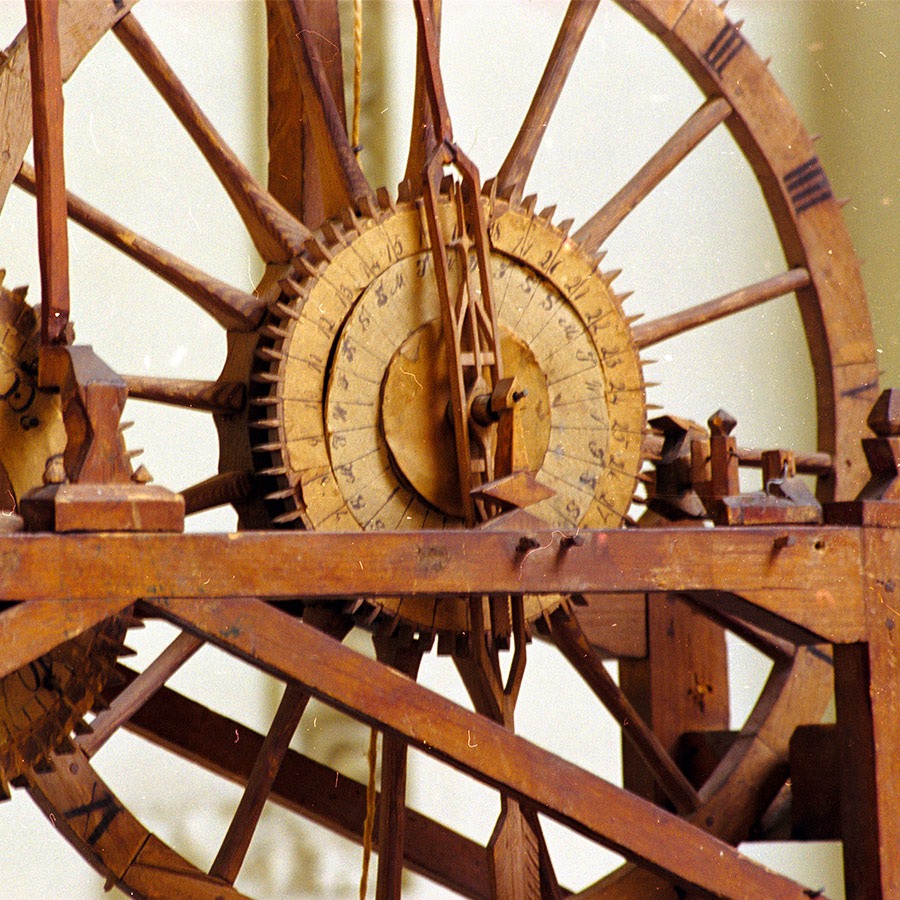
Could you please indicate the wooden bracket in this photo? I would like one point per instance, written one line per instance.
(95, 490)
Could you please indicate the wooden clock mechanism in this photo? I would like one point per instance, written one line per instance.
(442, 386)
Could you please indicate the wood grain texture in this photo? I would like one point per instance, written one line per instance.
(798, 583)
(561, 790)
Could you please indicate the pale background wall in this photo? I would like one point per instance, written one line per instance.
(702, 234)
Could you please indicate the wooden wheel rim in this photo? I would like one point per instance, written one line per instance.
(833, 307)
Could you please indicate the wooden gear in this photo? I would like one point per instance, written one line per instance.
(339, 368)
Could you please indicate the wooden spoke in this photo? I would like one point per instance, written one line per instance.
(566, 633)
(806, 463)
(776, 648)
(226, 487)
(139, 691)
(392, 808)
(47, 116)
(268, 761)
(228, 305)
(602, 224)
(422, 141)
(649, 333)
(520, 158)
(206, 738)
(220, 397)
(277, 235)
(341, 180)
(231, 854)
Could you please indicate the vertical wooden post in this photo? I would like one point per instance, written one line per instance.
(681, 686)
(47, 117)
(867, 694)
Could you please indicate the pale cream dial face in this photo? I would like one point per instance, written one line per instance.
(352, 332)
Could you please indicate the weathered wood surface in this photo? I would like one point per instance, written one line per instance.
(50, 181)
(808, 576)
(29, 630)
(381, 697)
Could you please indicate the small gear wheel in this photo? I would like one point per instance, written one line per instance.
(43, 702)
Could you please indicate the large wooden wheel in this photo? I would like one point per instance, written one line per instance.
(308, 400)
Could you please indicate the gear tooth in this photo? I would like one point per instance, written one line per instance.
(349, 219)
(547, 213)
(367, 207)
(767, 62)
(513, 193)
(405, 191)
(306, 266)
(529, 202)
(739, 25)
(20, 293)
(283, 309)
(290, 288)
(274, 332)
(385, 200)
(124, 652)
(332, 234)
(289, 516)
(317, 250)
(610, 276)
(625, 295)
(99, 705)
(566, 226)
(64, 746)
(4, 788)
(80, 727)
(630, 320)
(842, 202)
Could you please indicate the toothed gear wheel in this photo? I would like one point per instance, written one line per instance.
(31, 424)
(349, 389)
(43, 702)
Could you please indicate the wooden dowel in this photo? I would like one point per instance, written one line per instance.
(140, 691)
(220, 397)
(649, 333)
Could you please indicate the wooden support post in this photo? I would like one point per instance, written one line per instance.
(867, 694)
(47, 117)
(681, 686)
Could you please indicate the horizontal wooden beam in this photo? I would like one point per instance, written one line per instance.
(808, 576)
(386, 699)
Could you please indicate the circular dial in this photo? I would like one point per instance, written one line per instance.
(358, 428)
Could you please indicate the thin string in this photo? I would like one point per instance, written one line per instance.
(369, 827)
(357, 73)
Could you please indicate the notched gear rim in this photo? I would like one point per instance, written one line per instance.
(44, 702)
(280, 487)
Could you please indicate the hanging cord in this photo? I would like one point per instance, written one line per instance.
(370, 814)
(357, 73)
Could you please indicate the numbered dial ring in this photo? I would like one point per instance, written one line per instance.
(353, 428)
